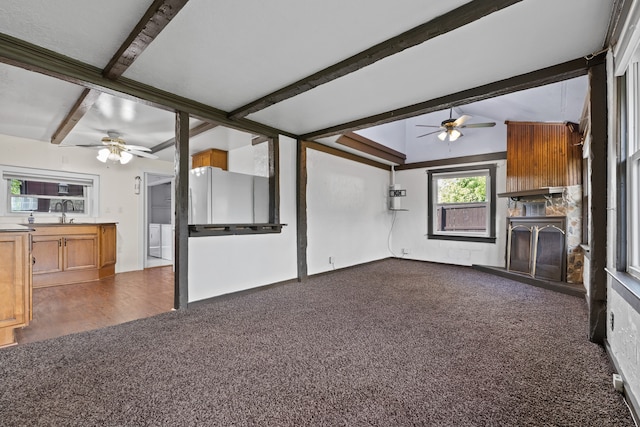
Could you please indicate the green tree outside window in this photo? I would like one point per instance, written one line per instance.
(15, 186)
(471, 189)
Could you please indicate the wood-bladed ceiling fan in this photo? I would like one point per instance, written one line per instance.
(449, 129)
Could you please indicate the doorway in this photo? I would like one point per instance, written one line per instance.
(159, 221)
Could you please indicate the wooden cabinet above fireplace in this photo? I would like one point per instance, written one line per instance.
(542, 156)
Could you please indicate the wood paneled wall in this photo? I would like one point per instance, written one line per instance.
(542, 155)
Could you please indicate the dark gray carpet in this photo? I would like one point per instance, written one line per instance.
(393, 343)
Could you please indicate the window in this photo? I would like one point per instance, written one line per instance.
(462, 203)
(48, 192)
(633, 169)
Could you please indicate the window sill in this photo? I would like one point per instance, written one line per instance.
(203, 230)
(627, 286)
(462, 238)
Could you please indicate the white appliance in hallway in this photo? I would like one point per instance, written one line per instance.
(221, 197)
(166, 241)
(159, 217)
(161, 241)
(155, 249)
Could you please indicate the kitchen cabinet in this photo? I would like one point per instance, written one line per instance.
(108, 248)
(72, 253)
(15, 283)
(211, 157)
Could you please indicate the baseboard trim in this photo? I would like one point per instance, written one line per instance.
(240, 293)
(561, 287)
(322, 273)
(630, 399)
(273, 285)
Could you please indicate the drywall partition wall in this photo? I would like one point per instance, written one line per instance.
(410, 228)
(347, 216)
(250, 159)
(221, 265)
(118, 201)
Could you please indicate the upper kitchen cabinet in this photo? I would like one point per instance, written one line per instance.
(211, 157)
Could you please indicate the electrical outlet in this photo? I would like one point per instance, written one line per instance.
(612, 321)
(331, 260)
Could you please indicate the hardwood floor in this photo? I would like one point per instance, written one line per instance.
(62, 310)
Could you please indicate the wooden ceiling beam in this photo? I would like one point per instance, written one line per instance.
(195, 131)
(567, 70)
(153, 21)
(450, 21)
(368, 146)
(79, 109)
(28, 56)
(259, 140)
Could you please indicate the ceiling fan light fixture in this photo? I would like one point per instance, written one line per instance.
(125, 157)
(454, 134)
(103, 155)
(114, 154)
(442, 135)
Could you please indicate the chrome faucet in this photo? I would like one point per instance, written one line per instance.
(63, 218)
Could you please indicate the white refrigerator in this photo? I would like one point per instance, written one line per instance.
(221, 197)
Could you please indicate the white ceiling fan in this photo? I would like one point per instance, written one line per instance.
(450, 128)
(115, 149)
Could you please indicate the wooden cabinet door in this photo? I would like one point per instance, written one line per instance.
(80, 252)
(107, 244)
(14, 280)
(211, 157)
(218, 159)
(47, 254)
(197, 160)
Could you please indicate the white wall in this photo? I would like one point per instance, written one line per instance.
(624, 339)
(224, 264)
(410, 228)
(250, 159)
(347, 215)
(118, 203)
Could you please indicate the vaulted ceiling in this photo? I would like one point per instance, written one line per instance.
(308, 69)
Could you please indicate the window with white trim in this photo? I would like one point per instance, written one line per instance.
(462, 203)
(633, 168)
(42, 191)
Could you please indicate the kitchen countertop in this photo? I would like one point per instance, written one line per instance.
(58, 224)
(15, 227)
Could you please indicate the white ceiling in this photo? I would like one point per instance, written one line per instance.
(226, 54)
